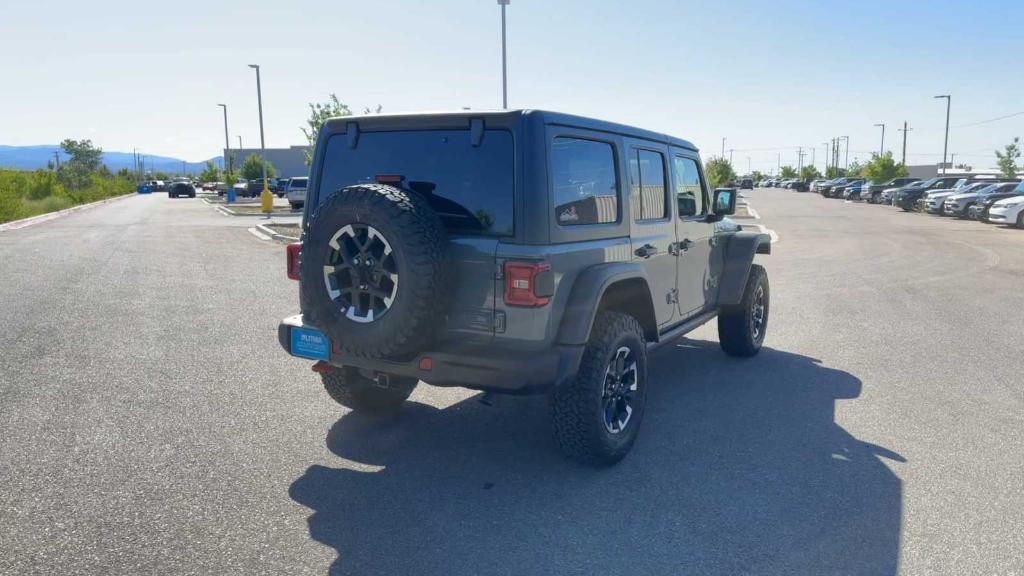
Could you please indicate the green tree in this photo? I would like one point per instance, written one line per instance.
(210, 173)
(834, 172)
(854, 169)
(788, 172)
(1007, 159)
(320, 112)
(252, 168)
(882, 168)
(160, 175)
(85, 160)
(719, 172)
(756, 176)
(809, 173)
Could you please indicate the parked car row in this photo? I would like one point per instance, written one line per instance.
(983, 197)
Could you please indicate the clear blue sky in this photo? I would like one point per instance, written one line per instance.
(764, 75)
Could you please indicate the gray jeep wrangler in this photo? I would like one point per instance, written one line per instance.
(515, 252)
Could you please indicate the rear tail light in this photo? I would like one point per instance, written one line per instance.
(389, 178)
(294, 252)
(528, 284)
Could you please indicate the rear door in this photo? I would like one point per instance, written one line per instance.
(653, 231)
(696, 282)
(469, 183)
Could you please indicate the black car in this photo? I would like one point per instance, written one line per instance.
(836, 190)
(877, 189)
(254, 188)
(177, 189)
(908, 196)
(746, 183)
(799, 186)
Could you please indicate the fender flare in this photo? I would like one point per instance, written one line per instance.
(739, 255)
(587, 290)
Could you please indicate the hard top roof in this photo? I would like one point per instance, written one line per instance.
(548, 117)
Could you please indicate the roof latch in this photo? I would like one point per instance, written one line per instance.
(476, 131)
(352, 131)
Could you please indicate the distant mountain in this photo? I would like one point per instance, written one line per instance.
(34, 157)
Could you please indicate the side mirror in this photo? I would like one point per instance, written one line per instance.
(724, 202)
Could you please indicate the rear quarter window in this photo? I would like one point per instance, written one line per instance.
(585, 184)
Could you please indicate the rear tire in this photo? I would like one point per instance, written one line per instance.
(741, 328)
(348, 387)
(1020, 220)
(596, 416)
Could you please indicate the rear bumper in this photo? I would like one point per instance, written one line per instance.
(489, 368)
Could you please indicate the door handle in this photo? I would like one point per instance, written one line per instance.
(685, 245)
(646, 251)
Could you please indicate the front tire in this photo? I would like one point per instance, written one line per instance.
(741, 328)
(595, 417)
(348, 387)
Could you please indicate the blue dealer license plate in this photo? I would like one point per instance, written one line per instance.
(310, 343)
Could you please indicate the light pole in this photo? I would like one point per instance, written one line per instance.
(748, 166)
(227, 141)
(504, 58)
(825, 144)
(730, 156)
(846, 161)
(881, 149)
(239, 136)
(945, 145)
(723, 147)
(266, 199)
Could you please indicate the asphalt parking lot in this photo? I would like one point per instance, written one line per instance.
(149, 422)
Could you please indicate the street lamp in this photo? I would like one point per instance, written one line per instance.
(881, 149)
(227, 141)
(266, 199)
(504, 59)
(723, 147)
(945, 145)
(846, 160)
(240, 147)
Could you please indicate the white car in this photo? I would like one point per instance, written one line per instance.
(933, 200)
(1008, 211)
(295, 192)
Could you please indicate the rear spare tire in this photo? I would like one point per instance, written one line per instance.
(373, 270)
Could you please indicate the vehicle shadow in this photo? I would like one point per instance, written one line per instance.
(740, 468)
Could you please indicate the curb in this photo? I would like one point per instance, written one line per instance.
(229, 212)
(267, 231)
(25, 222)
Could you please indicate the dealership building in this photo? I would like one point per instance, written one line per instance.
(288, 162)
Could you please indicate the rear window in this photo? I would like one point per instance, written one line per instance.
(470, 187)
(297, 183)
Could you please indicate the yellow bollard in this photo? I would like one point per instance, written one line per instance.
(266, 199)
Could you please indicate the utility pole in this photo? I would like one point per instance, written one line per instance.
(723, 147)
(846, 162)
(730, 156)
(799, 160)
(778, 162)
(904, 130)
(881, 148)
(504, 60)
(952, 162)
(814, 157)
(945, 145)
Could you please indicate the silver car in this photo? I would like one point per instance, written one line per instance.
(295, 192)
